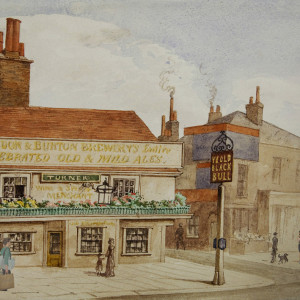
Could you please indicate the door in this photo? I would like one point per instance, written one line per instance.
(54, 252)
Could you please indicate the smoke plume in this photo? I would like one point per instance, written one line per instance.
(211, 87)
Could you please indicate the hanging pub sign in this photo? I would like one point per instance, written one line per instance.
(221, 164)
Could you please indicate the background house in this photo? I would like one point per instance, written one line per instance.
(264, 195)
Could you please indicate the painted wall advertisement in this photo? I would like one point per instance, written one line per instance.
(33, 152)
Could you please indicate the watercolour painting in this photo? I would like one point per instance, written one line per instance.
(149, 149)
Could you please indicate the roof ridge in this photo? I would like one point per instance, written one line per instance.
(63, 108)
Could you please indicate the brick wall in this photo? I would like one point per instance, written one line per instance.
(14, 82)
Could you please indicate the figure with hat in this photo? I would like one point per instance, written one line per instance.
(274, 247)
(110, 264)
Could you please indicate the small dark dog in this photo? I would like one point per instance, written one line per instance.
(283, 258)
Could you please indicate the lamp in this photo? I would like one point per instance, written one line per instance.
(104, 191)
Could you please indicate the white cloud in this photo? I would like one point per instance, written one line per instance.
(89, 64)
(85, 63)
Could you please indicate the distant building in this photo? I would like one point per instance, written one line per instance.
(50, 153)
(264, 195)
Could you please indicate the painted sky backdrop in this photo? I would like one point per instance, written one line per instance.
(118, 54)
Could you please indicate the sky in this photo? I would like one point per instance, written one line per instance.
(128, 55)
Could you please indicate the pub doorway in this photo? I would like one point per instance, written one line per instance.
(54, 249)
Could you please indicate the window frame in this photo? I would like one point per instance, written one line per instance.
(243, 181)
(149, 250)
(276, 178)
(78, 245)
(194, 225)
(14, 175)
(124, 178)
(5, 234)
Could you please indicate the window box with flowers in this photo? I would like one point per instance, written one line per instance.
(130, 204)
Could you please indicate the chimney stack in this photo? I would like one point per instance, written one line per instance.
(254, 111)
(14, 68)
(1, 41)
(214, 115)
(170, 129)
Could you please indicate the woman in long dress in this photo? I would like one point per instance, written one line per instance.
(110, 264)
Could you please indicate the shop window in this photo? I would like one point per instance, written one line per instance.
(20, 242)
(123, 186)
(242, 184)
(14, 186)
(90, 240)
(276, 170)
(136, 241)
(193, 227)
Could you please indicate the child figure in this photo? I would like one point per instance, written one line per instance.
(99, 265)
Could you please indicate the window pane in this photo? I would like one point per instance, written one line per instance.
(91, 239)
(137, 240)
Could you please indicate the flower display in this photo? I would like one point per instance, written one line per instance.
(133, 201)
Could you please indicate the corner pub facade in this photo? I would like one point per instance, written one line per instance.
(48, 153)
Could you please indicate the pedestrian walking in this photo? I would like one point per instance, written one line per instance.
(179, 237)
(274, 247)
(7, 263)
(110, 264)
(299, 246)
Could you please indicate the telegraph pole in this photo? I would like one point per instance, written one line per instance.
(221, 171)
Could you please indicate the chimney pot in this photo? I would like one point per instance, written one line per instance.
(16, 35)
(218, 108)
(163, 124)
(257, 94)
(251, 100)
(175, 115)
(1, 41)
(9, 34)
(211, 109)
(171, 109)
(21, 49)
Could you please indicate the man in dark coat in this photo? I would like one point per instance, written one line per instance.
(274, 247)
(179, 237)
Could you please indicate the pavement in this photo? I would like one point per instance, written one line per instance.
(175, 277)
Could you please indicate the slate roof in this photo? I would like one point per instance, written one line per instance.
(69, 123)
(269, 133)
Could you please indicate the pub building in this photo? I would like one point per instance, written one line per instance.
(71, 156)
